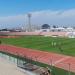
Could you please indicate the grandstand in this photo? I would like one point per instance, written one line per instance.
(52, 34)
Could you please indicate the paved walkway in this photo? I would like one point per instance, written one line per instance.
(8, 68)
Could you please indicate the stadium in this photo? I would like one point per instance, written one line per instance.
(30, 51)
(37, 37)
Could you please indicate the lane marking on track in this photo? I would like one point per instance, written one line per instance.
(63, 59)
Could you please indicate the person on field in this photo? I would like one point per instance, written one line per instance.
(0, 42)
(60, 47)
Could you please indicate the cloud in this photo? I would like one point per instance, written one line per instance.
(52, 17)
(55, 17)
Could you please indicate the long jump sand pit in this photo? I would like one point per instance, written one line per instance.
(8, 68)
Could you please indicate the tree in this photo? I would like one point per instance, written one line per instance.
(45, 26)
(54, 26)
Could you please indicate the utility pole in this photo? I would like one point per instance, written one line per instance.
(29, 22)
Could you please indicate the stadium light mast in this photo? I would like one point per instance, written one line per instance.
(29, 22)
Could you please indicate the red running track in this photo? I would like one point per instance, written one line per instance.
(57, 60)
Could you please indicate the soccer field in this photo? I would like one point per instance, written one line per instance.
(58, 45)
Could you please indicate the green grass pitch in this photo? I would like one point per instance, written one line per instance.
(58, 45)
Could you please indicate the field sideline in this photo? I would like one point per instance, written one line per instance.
(58, 45)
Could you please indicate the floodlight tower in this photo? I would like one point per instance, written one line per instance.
(29, 22)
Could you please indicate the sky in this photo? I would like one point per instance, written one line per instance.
(13, 13)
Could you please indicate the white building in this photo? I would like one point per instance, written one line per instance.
(57, 29)
(71, 34)
(69, 29)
